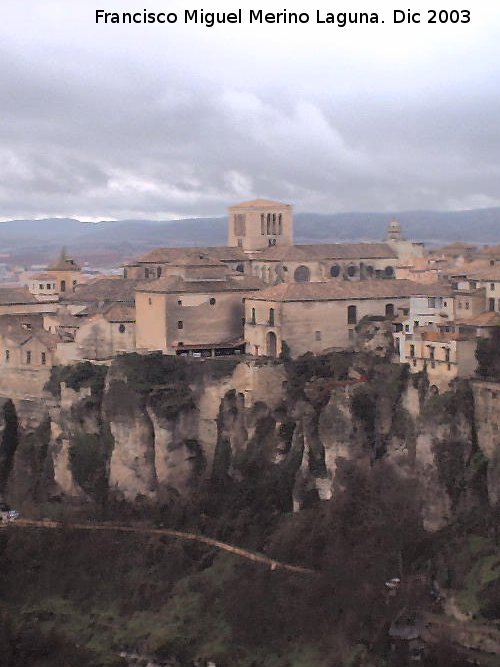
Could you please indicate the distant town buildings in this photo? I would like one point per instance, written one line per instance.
(261, 295)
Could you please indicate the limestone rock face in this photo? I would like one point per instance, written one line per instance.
(128, 440)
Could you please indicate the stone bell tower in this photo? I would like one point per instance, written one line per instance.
(260, 223)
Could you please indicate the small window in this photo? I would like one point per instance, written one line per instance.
(150, 301)
(28, 357)
(492, 287)
(335, 271)
(389, 271)
(352, 270)
(389, 310)
(43, 358)
(121, 328)
(271, 317)
(414, 362)
(412, 351)
(302, 274)
(49, 285)
(467, 305)
(7, 356)
(445, 304)
(63, 285)
(74, 283)
(179, 302)
(40, 286)
(180, 324)
(252, 321)
(317, 335)
(125, 273)
(212, 301)
(158, 272)
(351, 315)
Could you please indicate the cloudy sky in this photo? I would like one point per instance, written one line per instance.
(113, 121)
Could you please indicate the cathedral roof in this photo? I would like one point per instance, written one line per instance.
(319, 251)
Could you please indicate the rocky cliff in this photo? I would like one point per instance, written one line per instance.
(153, 429)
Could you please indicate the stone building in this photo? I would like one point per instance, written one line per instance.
(444, 355)
(108, 332)
(312, 317)
(25, 345)
(259, 224)
(188, 315)
(61, 277)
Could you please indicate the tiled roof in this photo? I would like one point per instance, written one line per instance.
(119, 290)
(325, 251)
(120, 312)
(64, 264)
(174, 255)
(176, 284)
(492, 250)
(486, 319)
(488, 273)
(260, 203)
(343, 289)
(16, 296)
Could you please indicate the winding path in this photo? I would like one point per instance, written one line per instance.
(177, 534)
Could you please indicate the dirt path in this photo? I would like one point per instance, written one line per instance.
(176, 534)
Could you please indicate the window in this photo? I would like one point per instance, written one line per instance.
(389, 271)
(317, 335)
(180, 324)
(150, 301)
(158, 272)
(445, 304)
(335, 271)
(74, 283)
(179, 302)
(352, 270)
(268, 223)
(492, 287)
(389, 310)
(43, 358)
(447, 355)
(121, 328)
(212, 301)
(262, 224)
(274, 223)
(467, 305)
(407, 327)
(280, 224)
(125, 273)
(240, 268)
(49, 285)
(432, 353)
(239, 224)
(414, 362)
(40, 286)
(351, 315)
(491, 304)
(412, 351)
(271, 317)
(63, 285)
(28, 357)
(431, 302)
(302, 274)
(7, 356)
(449, 367)
(252, 321)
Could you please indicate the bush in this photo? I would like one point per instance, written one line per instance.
(76, 376)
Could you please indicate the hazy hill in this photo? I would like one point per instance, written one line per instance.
(29, 241)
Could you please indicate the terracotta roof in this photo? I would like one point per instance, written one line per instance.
(119, 312)
(487, 319)
(64, 264)
(15, 330)
(176, 284)
(42, 276)
(108, 290)
(16, 296)
(327, 251)
(493, 250)
(491, 273)
(443, 336)
(260, 203)
(342, 289)
(173, 255)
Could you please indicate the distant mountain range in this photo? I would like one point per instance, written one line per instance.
(107, 243)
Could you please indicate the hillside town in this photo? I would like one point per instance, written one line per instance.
(262, 296)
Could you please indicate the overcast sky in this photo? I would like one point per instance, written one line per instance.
(108, 121)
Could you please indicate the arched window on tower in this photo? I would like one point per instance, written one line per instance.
(268, 223)
(262, 224)
(280, 224)
(271, 317)
(274, 223)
